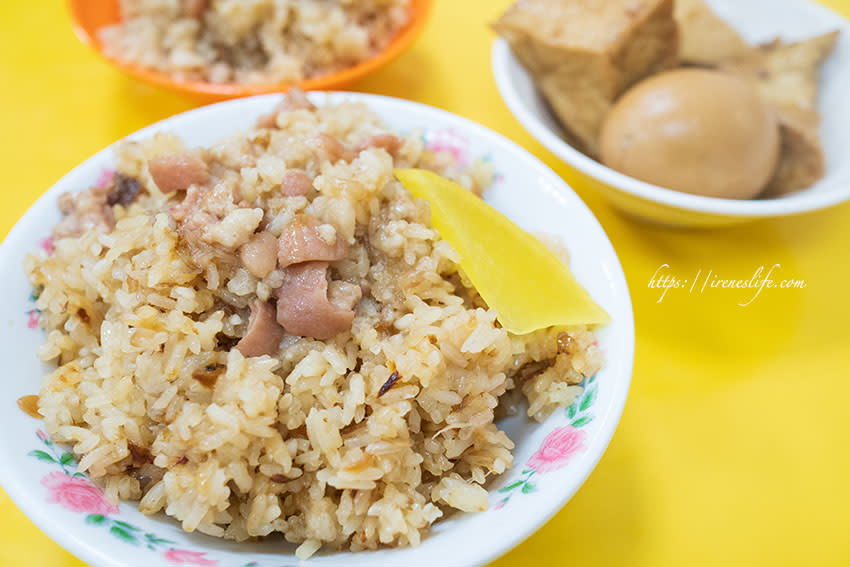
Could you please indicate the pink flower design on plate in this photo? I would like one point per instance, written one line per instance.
(557, 449)
(46, 244)
(33, 317)
(104, 179)
(450, 142)
(77, 494)
(184, 557)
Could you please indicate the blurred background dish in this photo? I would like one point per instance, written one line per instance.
(790, 20)
(92, 17)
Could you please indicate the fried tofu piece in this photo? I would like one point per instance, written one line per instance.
(787, 74)
(704, 38)
(584, 53)
(801, 161)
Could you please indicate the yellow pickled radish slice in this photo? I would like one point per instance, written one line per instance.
(526, 283)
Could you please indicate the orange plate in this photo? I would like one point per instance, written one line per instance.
(90, 15)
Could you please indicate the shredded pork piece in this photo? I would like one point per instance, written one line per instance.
(84, 211)
(389, 142)
(177, 172)
(293, 99)
(332, 149)
(296, 183)
(307, 306)
(264, 333)
(194, 8)
(303, 241)
(259, 254)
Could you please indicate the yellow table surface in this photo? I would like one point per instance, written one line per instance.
(734, 448)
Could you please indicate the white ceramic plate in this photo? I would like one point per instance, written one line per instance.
(758, 22)
(67, 507)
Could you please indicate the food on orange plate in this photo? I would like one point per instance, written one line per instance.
(253, 41)
(696, 131)
(585, 53)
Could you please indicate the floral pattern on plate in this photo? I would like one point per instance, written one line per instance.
(559, 447)
(448, 141)
(73, 491)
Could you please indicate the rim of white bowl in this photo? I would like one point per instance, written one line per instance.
(794, 204)
(90, 553)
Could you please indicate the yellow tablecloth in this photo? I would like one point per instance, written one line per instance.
(734, 448)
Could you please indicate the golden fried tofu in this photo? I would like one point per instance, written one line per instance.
(801, 161)
(704, 38)
(787, 74)
(584, 53)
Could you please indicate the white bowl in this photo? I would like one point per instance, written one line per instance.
(69, 510)
(757, 22)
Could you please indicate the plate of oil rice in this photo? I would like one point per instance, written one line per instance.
(235, 339)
